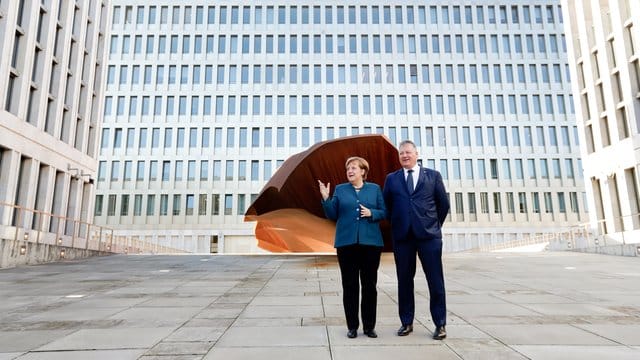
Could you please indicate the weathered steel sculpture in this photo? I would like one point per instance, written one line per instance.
(288, 211)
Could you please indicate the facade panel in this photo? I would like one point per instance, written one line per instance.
(604, 43)
(204, 101)
(50, 90)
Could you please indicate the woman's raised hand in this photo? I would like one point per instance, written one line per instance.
(324, 189)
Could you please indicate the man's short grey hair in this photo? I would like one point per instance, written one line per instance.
(407, 142)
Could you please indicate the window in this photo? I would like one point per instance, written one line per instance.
(217, 170)
(497, 204)
(535, 197)
(191, 170)
(215, 204)
(544, 169)
(484, 202)
(468, 165)
(202, 204)
(481, 169)
(573, 200)
(228, 204)
(548, 203)
(241, 204)
(140, 170)
(510, 203)
(460, 204)
(472, 202)
(189, 204)
(493, 164)
(176, 204)
(561, 203)
(522, 202)
(506, 168)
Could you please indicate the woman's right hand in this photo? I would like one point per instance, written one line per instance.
(324, 189)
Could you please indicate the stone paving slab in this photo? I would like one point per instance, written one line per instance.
(405, 352)
(577, 352)
(274, 336)
(88, 339)
(551, 334)
(500, 306)
(619, 333)
(280, 353)
(84, 355)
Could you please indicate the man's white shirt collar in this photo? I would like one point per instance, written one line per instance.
(415, 169)
(416, 173)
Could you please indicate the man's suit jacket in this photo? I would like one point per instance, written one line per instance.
(344, 208)
(422, 211)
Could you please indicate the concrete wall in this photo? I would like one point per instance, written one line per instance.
(612, 249)
(14, 253)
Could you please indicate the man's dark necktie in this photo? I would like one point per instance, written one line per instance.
(410, 181)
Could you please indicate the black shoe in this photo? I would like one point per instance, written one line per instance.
(405, 330)
(352, 333)
(371, 333)
(440, 333)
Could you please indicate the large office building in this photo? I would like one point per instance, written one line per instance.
(50, 110)
(205, 100)
(604, 47)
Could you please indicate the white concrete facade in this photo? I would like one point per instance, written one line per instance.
(50, 89)
(205, 99)
(604, 48)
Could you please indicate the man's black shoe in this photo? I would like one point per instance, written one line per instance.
(371, 333)
(405, 330)
(440, 333)
(352, 333)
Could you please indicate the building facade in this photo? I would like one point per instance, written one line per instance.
(205, 100)
(605, 60)
(50, 94)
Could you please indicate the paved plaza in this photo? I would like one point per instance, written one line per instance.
(546, 305)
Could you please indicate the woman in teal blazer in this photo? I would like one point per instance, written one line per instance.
(357, 207)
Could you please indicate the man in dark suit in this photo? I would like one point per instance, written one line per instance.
(416, 213)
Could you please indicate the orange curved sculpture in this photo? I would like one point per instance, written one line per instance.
(288, 211)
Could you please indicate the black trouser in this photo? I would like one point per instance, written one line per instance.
(359, 265)
(430, 254)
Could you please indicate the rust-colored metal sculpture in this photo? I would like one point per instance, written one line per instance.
(288, 210)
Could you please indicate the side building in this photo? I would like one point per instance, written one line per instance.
(604, 48)
(50, 111)
(205, 100)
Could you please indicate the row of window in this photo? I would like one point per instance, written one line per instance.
(328, 14)
(264, 137)
(210, 205)
(195, 170)
(521, 201)
(178, 206)
(337, 105)
(201, 170)
(339, 44)
(337, 74)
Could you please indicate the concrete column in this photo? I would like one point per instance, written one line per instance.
(73, 206)
(86, 209)
(221, 245)
(59, 201)
(44, 197)
(28, 182)
(9, 170)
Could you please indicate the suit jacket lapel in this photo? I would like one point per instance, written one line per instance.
(402, 180)
(420, 179)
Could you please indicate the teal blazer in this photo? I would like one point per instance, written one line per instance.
(344, 208)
